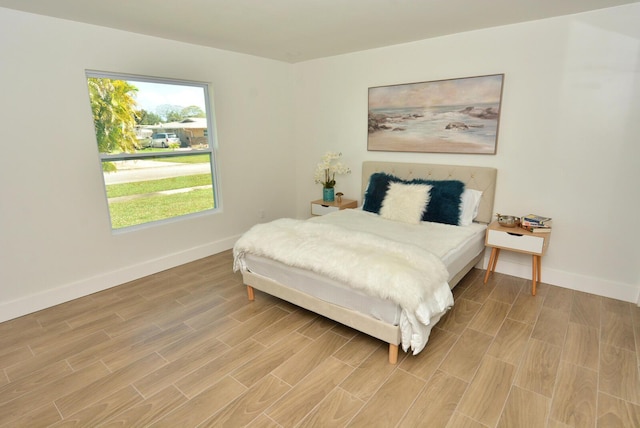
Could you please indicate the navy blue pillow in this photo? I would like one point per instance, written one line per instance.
(376, 191)
(444, 204)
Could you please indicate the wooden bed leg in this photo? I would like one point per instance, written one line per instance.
(250, 293)
(393, 353)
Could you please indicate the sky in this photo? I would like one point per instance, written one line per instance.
(470, 90)
(150, 95)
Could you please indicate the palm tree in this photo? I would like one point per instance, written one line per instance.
(114, 114)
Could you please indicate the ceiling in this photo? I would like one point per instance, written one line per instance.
(300, 30)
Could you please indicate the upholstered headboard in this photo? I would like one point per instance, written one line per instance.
(474, 177)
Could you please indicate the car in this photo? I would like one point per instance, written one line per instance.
(163, 139)
(143, 143)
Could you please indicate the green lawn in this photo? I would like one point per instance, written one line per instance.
(159, 207)
(199, 158)
(151, 186)
(147, 203)
(204, 158)
(150, 205)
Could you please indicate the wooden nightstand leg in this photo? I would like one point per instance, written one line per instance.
(539, 277)
(488, 272)
(535, 273)
(493, 260)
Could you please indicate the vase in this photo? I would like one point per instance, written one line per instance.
(328, 194)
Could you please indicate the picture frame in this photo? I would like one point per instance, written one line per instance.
(460, 115)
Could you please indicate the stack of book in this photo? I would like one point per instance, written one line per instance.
(536, 223)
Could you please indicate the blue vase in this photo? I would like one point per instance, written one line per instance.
(328, 194)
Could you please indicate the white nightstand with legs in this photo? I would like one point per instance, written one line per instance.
(518, 240)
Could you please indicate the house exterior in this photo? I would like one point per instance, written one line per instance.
(192, 131)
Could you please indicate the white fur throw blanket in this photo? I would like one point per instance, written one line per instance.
(408, 275)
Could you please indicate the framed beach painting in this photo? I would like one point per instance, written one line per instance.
(442, 116)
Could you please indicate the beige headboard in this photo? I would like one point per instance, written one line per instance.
(474, 177)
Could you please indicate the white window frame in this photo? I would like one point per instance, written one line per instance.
(209, 133)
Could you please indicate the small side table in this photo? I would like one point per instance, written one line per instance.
(321, 207)
(519, 240)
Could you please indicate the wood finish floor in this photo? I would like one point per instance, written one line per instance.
(185, 348)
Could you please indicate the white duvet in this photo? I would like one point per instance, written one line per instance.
(397, 262)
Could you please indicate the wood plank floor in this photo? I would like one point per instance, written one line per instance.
(185, 348)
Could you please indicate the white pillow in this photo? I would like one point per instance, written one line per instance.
(405, 202)
(469, 203)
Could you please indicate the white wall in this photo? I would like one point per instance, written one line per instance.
(572, 94)
(55, 239)
(568, 142)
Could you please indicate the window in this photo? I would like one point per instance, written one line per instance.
(155, 147)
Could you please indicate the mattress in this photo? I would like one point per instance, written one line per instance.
(455, 257)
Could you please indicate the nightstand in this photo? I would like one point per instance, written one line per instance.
(321, 207)
(519, 240)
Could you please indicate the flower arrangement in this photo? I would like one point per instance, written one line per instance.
(327, 169)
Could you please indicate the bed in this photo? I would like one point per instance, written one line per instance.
(343, 293)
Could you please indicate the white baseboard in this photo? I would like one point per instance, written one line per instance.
(35, 302)
(84, 287)
(573, 281)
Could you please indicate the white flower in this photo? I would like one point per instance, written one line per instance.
(327, 169)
